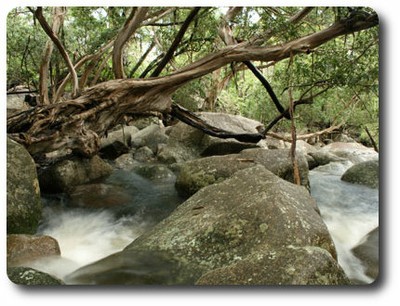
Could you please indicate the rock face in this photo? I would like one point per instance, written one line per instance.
(88, 196)
(29, 276)
(365, 173)
(24, 248)
(151, 137)
(64, 175)
(186, 143)
(196, 174)
(352, 151)
(24, 207)
(253, 228)
(368, 252)
(123, 135)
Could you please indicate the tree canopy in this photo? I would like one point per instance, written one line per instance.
(83, 60)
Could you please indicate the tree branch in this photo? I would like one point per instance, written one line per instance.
(133, 22)
(175, 43)
(59, 45)
(195, 121)
(78, 123)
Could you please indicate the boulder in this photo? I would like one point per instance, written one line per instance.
(253, 228)
(64, 175)
(125, 161)
(29, 276)
(26, 248)
(352, 151)
(151, 137)
(99, 196)
(368, 252)
(196, 174)
(187, 143)
(113, 150)
(117, 142)
(24, 206)
(184, 143)
(256, 269)
(123, 134)
(144, 154)
(155, 172)
(16, 99)
(364, 173)
(323, 158)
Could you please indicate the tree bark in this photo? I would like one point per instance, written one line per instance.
(57, 21)
(78, 124)
(175, 43)
(53, 36)
(133, 22)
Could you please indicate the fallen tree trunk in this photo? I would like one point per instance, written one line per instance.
(77, 124)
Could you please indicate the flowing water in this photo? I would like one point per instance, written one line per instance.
(350, 212)
(87, 234)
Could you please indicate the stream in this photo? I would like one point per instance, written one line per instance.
(88, 234)
(350, 212)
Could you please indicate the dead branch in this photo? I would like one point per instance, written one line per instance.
(305, 136)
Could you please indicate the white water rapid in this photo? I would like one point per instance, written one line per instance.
(350, 212)
(87, 235)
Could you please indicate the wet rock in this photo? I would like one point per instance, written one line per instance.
(132, 268)
(196, 174)
(33, 277)
(151, 137)
(364, 173)
(113, 150)
(25, 248)
(123, 135)
(323, 158)
(252, 228)
(155, 172)
(368, 252)
(351, 151)
(187, 143)
(144, 154)
(286, 262)
(64, 175)
(24, 206)
(225, 146)
(98, 196)
(125, 161)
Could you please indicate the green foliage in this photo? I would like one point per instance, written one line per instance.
(347, 67)
(22, 54)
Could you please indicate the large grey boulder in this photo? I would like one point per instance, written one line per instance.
(184, 143)
(187, 143)
(196, 174)
(253, 228)
(24, 206)
(64, 175)
(352, 151)
(364, 173)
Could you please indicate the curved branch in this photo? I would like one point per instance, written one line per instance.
(59, 45)
(133, 22)
(176, 42)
